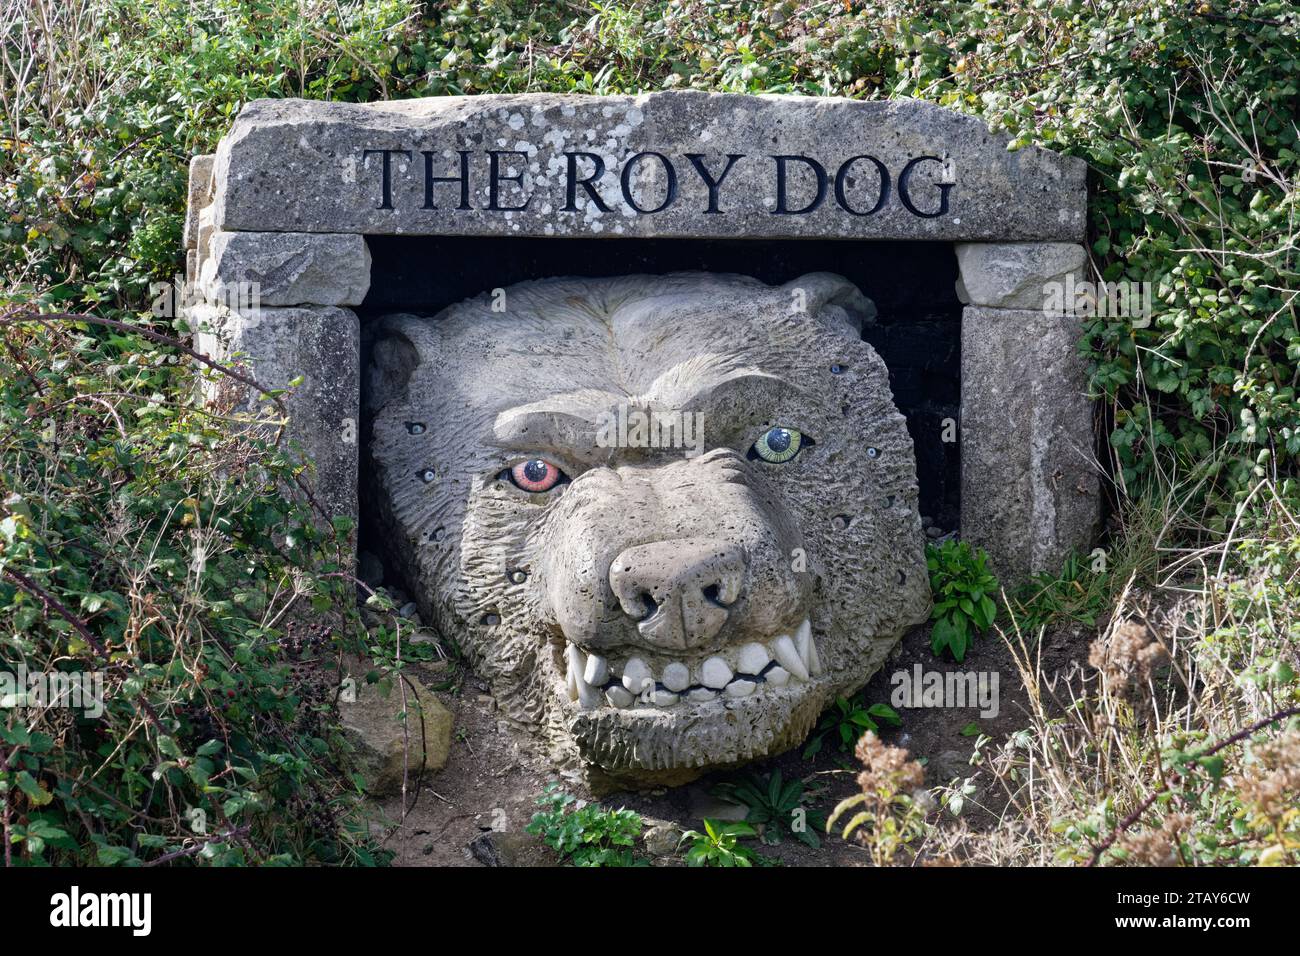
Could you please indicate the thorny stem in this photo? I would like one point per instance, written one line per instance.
(1145, 805)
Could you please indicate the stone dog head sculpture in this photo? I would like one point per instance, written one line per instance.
(670, 518)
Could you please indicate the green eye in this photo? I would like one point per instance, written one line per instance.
(778, 445)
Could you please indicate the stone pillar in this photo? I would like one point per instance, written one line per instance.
(275, 302)
(321, 346)
(1030, 487)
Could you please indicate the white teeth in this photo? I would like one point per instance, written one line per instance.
(753, 658)
(597, 672)
(740, 688)
(637, 676)
(619, 697)
(736, 675)
(677, 677)
(807, 648)
(715, 673)
(588, 696)
(789, 657)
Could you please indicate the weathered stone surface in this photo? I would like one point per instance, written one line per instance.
(323, 345)
(200, 194)
(652, 554)
(1030, 480)
(373, 724)
(204, 230)
(1012, 275)
(306, 166)
(289, 268)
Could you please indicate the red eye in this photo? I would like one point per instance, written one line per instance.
(536, 474)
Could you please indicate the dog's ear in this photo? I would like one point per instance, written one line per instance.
(402, 344)
(833, 301)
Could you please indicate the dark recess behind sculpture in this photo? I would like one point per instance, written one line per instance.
(917, 330)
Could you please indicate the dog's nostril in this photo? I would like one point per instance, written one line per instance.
(649, 604)
(713, 594)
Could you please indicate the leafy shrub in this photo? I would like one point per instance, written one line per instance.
(962, 587)
(586, 834)
(171, 559)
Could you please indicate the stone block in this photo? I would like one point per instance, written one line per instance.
(565, 165)
(1030, 489)
(1013, 275)
(289, 268)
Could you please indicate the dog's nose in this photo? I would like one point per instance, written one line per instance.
(679, 591)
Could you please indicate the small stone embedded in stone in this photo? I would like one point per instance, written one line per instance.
(715, 673)
(676, 676)
(200, 186)
(752, 659)
(701, 695)
(618, 696)
(597, 671)
(740, 688)
(636, 675)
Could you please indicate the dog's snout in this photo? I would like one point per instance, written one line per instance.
(679, 591)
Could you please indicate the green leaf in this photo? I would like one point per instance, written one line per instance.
(35, 793)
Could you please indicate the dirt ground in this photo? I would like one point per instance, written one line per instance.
(473, 812)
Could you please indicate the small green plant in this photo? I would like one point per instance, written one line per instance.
(719, 845)
(848, 719)
(1078, 593)
(775, 807)
(961, 585)
(586, 834)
